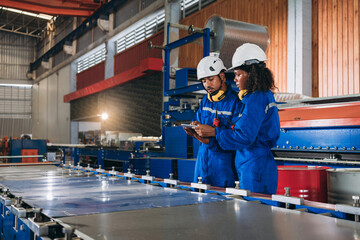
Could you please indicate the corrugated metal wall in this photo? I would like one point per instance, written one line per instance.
(85, 40)
(12, 127)
(273, 14)
(64, 26)
(145, 3)
(125, 12)
(16, 51)
(15, 102)
(132, 107)
(336, 47)
(15, 111)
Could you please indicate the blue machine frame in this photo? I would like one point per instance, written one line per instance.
(174, 95)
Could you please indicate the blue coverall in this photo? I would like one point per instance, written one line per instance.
(213, 164)
(256, 132)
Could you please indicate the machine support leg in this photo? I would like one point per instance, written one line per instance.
(76, 156)
(101, 156)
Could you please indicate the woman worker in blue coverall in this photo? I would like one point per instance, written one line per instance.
(258, 128)
(218, 108)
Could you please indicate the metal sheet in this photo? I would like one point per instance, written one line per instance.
(29, 172)
(59, 196)
(220, 220)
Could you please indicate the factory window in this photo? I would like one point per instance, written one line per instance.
(190, 6)
(140, 31)
(91, 60)
(154, 23)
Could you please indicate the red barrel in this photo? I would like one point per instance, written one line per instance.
(308, 182)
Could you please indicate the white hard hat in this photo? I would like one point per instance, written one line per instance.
(209, 66)
(247, 54)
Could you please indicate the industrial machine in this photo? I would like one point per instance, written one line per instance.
(323, 132)
(318, 132)
(26, 150)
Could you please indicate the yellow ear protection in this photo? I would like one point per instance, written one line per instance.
(242, 94)
(217, 95)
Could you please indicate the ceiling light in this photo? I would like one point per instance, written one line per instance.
(41, 15)
(104, 116)
(15, 85)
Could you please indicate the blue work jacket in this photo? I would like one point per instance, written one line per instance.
(213, 164)
(256, 132)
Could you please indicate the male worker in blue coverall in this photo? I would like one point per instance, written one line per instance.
(258, 128)
(219, 108)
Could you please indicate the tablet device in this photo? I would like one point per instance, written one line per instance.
(188, 125)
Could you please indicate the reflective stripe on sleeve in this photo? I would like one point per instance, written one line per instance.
(270, 105)
(219, 112)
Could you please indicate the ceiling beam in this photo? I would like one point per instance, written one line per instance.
(63, 3)
(22, 33)
(71, 10)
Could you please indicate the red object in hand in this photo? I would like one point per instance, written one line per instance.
(216, 122)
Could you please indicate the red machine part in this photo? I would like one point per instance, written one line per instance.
(26, 152)
(308, 182)
(5, 148)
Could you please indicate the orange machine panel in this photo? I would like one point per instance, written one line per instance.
(336, 114)
(26, 152)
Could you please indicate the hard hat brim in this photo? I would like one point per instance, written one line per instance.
(251, 63)
(231, 69)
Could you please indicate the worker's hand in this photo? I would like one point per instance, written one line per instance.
(204, 130)
(195, 123)
(190, 131)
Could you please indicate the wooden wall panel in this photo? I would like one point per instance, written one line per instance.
(315, 51)
(270, 13)
(354, 31)
(336, 52)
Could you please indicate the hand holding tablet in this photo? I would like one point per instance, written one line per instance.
(188, 125)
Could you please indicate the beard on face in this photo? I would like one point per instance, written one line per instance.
(209, 89)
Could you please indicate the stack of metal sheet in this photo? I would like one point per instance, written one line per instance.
(104, 207)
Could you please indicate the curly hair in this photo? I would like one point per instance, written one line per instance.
(260, 78)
